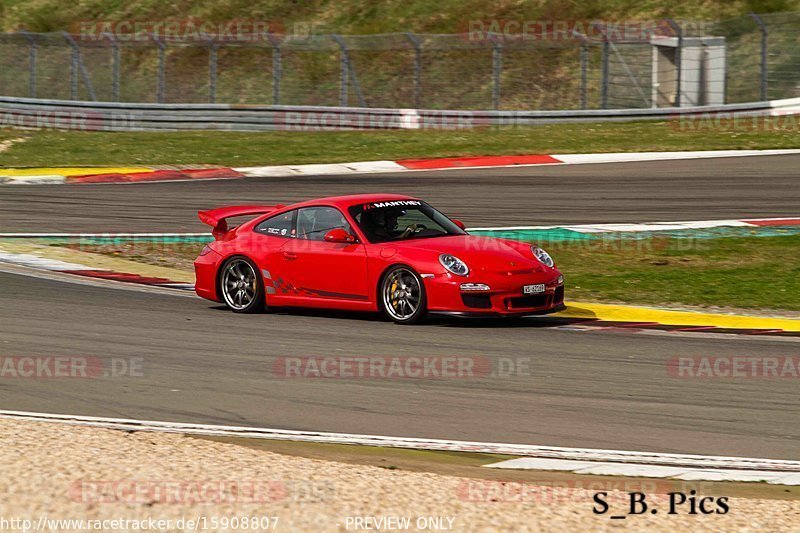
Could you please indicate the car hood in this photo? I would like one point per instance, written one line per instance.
(480, 253)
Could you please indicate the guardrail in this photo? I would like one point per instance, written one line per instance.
(30, 113)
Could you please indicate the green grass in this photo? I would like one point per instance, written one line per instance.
(55, 148)
(757, 273)
(747, 273)
(375, 16)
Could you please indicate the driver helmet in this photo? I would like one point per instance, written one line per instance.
(385, 219)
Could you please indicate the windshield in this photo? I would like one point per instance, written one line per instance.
(401, 220)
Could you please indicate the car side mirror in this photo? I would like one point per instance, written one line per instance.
(339, 235)
(459, 223)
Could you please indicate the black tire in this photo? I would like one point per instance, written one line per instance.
(401, 296)
(247, 295)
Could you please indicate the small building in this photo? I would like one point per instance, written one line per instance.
(701, 73)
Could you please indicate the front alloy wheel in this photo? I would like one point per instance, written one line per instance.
(402, 296)
(241, 286)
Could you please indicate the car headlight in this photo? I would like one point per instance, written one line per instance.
(542, 256)
(454, 264)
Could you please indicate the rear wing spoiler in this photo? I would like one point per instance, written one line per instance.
(216, 218)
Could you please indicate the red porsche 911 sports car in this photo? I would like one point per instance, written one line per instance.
(376, 252)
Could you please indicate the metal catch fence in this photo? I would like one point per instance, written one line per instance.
(747, 59)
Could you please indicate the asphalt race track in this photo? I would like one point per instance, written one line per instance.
(595, 389)
(202, 363)
(703, 189)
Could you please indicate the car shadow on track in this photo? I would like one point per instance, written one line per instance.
(431, 321)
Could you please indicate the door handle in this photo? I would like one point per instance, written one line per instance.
(289, 256)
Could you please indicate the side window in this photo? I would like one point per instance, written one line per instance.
(279, 226)
(314, 222)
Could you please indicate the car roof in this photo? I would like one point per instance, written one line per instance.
(353, 199)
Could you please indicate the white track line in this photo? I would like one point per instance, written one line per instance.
(44, 263)
(61, 277)
(642, 226)
(617, 457)
(681, 473)
(631, 157)
(376, 167)
(584, 228)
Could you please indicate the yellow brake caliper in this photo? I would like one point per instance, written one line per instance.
(394, 295)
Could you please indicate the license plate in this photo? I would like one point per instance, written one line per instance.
(533, 289)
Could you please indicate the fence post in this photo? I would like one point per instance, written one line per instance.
(497, 70)
(160, 82)
(415, 42)
(764, 67)
(212, 69)
(604, 75)
(584, 73)
(678, 60)
(277, 66)
(73, 73)
(78, 66)
(584, 60)
(344, 75)
(115, 61)
(348, 73)
(31, 63)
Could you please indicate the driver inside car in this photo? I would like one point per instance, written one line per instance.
(382, 223)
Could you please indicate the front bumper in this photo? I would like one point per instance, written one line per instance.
(505, 297)
(478, 314)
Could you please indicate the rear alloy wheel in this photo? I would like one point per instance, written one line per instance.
(402, 296)
(241, 287)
